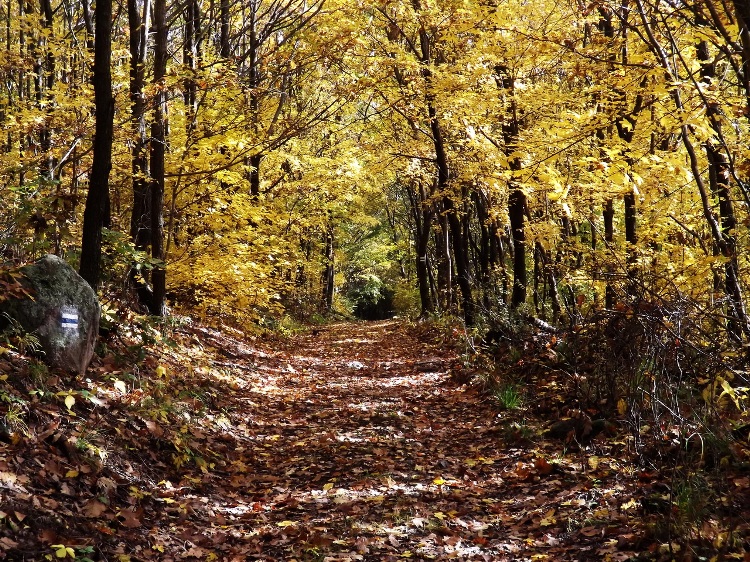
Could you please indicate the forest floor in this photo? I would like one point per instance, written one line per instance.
(348, 442)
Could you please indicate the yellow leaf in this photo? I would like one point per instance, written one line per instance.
(439, 481)
(161, 371)
(629, 505)
(548, 519)
(71, 474)
(63, 551)
(70, 401)
(286, 523)
(328, 486)
(594, 462)
(439, 514)
(622, 407)
(729, 391)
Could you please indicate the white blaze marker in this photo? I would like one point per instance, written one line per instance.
(69, 318)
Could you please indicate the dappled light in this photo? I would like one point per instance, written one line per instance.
(292, 451)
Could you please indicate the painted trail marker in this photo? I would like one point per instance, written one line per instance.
(69, 318)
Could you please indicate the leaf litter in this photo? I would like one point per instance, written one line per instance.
(353, 442)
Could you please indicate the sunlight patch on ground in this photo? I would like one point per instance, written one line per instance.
(353, 340)
(430, 533)
(374, 406)
(410, 380)
(351, 437)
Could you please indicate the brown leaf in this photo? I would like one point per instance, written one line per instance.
(154, 428)
(542, 466)
(131, 519)
(7, 543)
(94, 508)
(49, 536)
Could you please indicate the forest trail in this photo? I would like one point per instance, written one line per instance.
(358, 446)
(351, 442)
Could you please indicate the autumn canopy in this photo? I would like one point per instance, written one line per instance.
(270, 158)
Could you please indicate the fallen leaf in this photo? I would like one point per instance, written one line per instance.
(629, 504)
(548, 519)
(542, 466)
(94, 508)
(131, 520)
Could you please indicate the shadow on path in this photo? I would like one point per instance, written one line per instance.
(354, 444)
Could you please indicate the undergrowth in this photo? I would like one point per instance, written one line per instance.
(666, 374)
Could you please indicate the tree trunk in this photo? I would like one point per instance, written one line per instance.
(328, 269)
(158, 151)
(224, 50)
(516, 214)
(254, 164)
(631, 239)
(461, 259)
(719, 173)
(609, 238)
(96, 201)
(140, 218)
(422, 227)
(742, 12)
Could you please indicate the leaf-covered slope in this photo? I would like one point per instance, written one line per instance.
(351, 442)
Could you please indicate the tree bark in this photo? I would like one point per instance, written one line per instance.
(224, 49)
(609, 239)
(140, 218)
(329, 271)
(98, 195)
(516, 214)
(158, 152)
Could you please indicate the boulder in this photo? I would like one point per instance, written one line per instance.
(62, 311)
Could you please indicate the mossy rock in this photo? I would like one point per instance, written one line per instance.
(61, 309)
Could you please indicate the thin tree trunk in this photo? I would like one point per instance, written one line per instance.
(140, 219)
(158, 152)
(422, 228)
(609, 238)
(224, 49)
(329, 271)
(96, 201)
(516, 214)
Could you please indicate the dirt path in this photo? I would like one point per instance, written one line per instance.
(350, 443)
(359, 427)
(355, 445)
